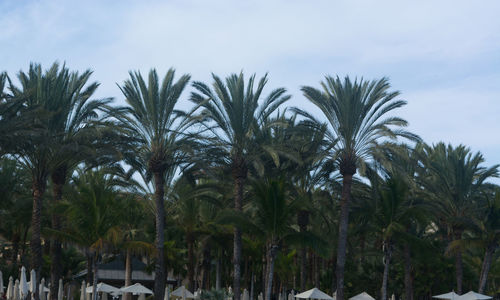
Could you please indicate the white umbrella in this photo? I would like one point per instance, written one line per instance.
(10, 289)
(87, 291)
(32, 285)
(41, 289)
(1, 285)
(23, 284)
(473, 296)
(450, 295)
(362, 296)
(60, 290)
(104, 288)
(16, 290)
(167, 293)
(82, 291)
(314, 293)
(181, 292)
(136, 289)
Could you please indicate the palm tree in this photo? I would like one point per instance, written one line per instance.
(271, 219)
(40, 97)
(356, 114)
(232, 114)
(76, 137)
(160, 144)
(453, 177)
(93, 215)
(489, 228)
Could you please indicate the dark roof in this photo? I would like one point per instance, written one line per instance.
(119, 264)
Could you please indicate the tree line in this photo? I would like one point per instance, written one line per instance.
(240, 190)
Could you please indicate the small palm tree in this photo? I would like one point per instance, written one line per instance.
(233, 113)
(356, 114)
(160, 144)
(453, 177)
(92, 215)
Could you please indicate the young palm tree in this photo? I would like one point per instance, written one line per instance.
(152, 120)
(232, 114)
(356, 113)
(93, 215)
(453, 178)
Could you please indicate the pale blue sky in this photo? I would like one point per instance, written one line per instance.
(444, 56)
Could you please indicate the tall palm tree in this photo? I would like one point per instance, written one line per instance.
(75, 127)
(453, 177)
(159, 146)
(357, 117)
(41, 96)
(232, 114)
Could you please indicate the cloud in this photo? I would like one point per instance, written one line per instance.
(443, 55)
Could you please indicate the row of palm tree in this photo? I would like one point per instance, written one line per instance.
(293, 180)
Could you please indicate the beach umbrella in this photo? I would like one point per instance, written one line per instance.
(136, 289)
(82, 291)
(103, 288)
(10, 289)
(450, 295)
(167, 293)
(182, 292)
(32, 285)
(473, 296)
(41, 289)
(314, 293)
(60, 290)
(87, 291)
(362, 296)
(16, 290)
(23, 284)
(1, 285)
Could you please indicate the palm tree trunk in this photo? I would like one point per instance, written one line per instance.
(190, 266)
(94, 281)
(343, 225)
(89, 268)
(128, 273)
(205, 277)
(159, 287)
(303, 221)
(485, 268)
(239, 175)
(408, 279)
(387, 262)
(269, 286)
(36, 242)
(58, 180)
(459, 270)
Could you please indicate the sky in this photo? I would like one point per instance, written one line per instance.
(443, 56)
